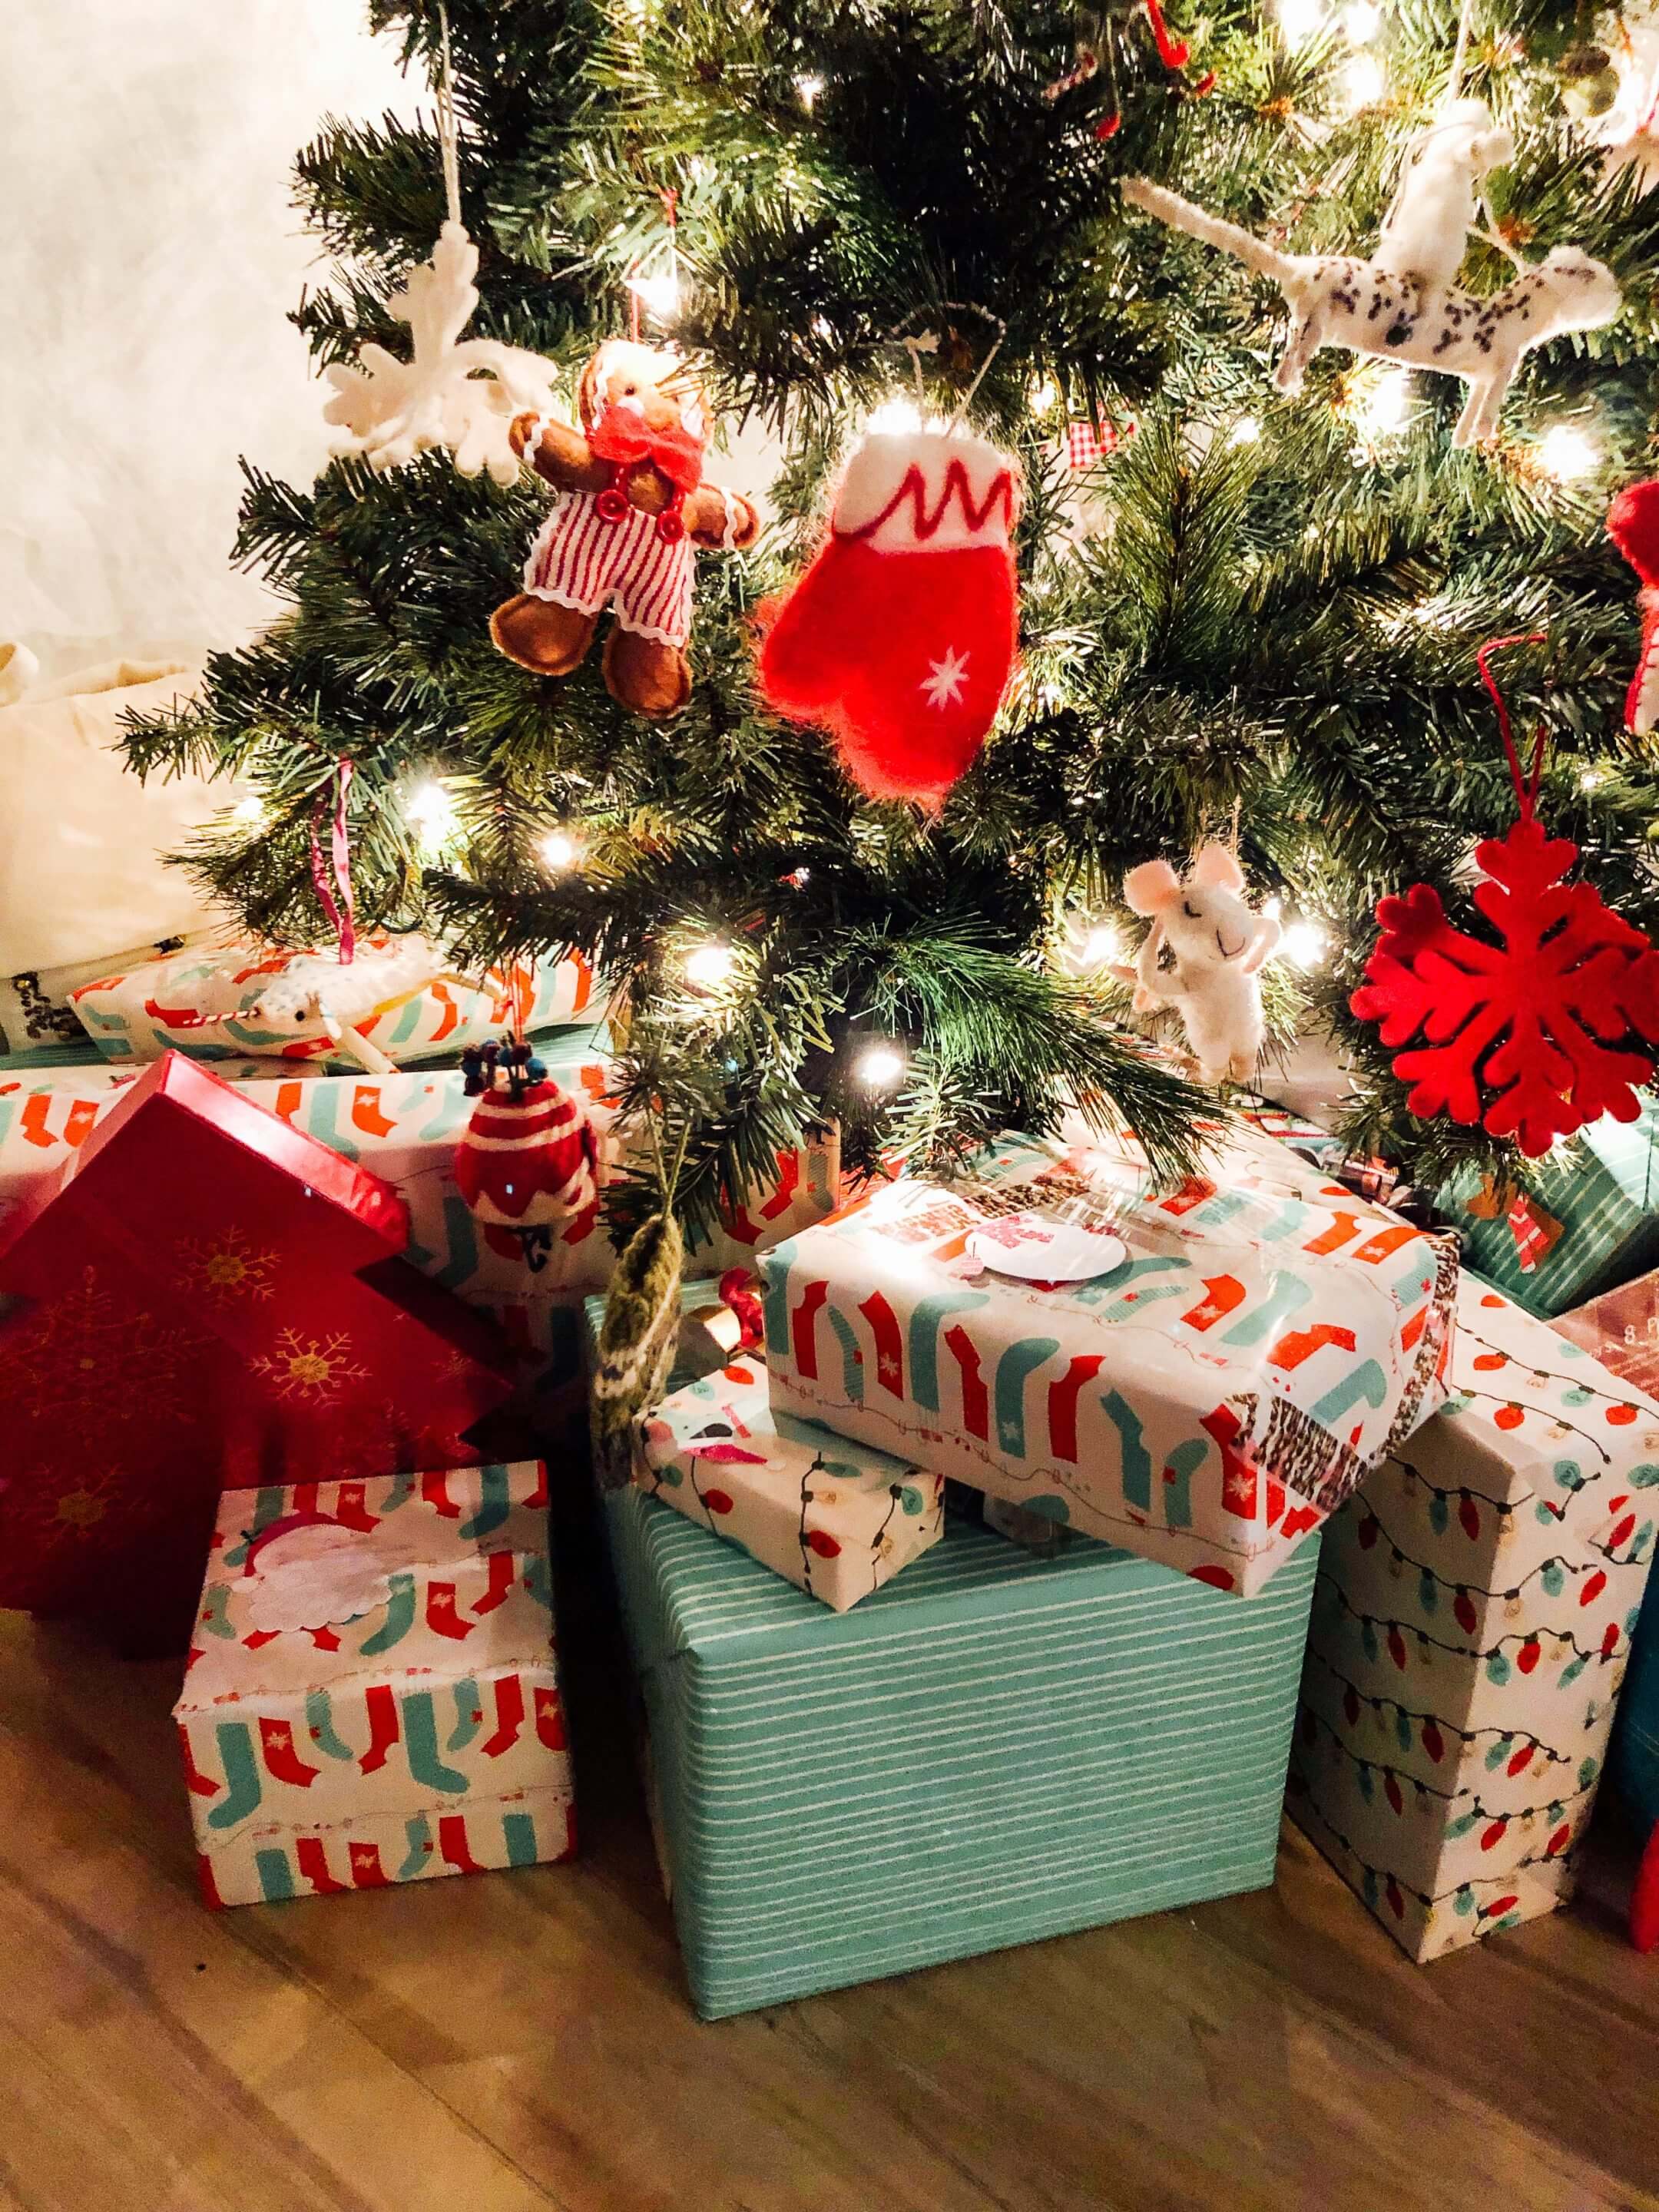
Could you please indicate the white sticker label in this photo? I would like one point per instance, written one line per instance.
(1036, 1249)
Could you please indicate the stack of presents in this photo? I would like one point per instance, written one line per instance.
(1000, 1559)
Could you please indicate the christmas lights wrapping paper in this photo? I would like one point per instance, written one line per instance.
(206, 1297)
(1621, 1328)
(837, 1519)
(371, 1695)
(1471, 1629)
(1590, 1221)
(220, 1001)
(991, 1748)
(1205, 1402)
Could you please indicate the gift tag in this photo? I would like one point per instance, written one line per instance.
(1042, 1247)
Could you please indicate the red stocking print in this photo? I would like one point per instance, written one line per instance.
(899, 638)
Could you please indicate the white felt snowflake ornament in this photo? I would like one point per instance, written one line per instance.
(459, 393)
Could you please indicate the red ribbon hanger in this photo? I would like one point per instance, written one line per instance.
(1525, 788)
(341, 911)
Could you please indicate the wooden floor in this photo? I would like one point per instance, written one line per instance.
(521, 2039)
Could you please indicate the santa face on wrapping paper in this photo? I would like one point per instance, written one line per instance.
(900, 637)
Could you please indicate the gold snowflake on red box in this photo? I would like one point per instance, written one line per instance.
(227, 1266)
(313, 1368)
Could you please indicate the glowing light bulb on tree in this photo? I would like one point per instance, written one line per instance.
(659, 294)
(1362, 22)
(1381, 405)
(430, 814)
(709, 966)
(879, 1066)
(1568, 454)
(1299, 21)
(1245, 432)
(1304, 944)
(559, 849)
(896, 417)
(809, 87)
(1363, 83)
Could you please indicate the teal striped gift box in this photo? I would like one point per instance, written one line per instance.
(1633, 1761)
(1589, 1222)
(991, 1748)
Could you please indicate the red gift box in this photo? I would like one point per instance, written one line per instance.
(214, 1300)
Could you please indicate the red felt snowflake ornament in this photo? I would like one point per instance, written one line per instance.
(1529, 1035)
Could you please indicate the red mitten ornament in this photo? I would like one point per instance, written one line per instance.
(530, 1158)
(1519, 1034)
(1633, 527)
(899, 638)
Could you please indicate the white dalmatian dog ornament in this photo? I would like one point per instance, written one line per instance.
(1338, 300)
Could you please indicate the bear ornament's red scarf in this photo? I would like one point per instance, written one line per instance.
(622, 436)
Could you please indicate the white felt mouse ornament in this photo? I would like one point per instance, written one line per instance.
(1203, 956)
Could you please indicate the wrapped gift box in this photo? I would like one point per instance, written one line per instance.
(992, 1749)
(404, 1127)
(208, 1298)
(837, 1519)
(1589, 1222)
(1207, 1403)
(371, 1695)
(1621, 1329)
(1470, 1630)
(206, 1000)
(1633, 1761)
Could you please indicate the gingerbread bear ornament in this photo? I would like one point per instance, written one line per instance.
(632, 507)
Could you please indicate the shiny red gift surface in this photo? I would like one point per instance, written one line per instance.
(211, 1299)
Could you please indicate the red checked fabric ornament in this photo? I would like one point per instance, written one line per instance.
(1522, 1034)
(529, 1159)
(899, 638)
(1633, 527)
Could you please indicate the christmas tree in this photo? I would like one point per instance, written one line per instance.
(1250, 616)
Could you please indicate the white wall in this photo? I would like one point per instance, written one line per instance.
(148, 258)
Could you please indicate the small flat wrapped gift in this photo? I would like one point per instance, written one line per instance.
(835, 1518)
(222, 1000)
(1262, 1340)
(371, 1695)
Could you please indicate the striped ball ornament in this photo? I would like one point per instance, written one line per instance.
(529, 1158)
